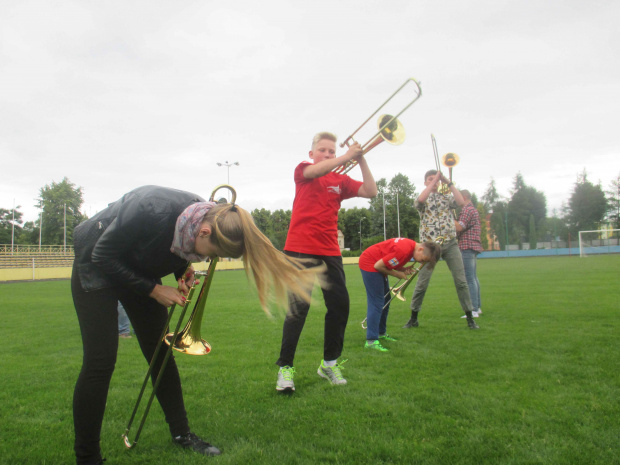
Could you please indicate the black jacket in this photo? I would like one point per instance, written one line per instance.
(129, 242)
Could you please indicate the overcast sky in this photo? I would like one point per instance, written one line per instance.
(118, 94)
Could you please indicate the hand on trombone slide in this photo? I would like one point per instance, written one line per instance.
(167, 295)
(188, 280)
(355, 152)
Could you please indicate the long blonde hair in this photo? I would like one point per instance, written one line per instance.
(274, 273)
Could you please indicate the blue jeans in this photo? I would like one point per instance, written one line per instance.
(377, 295)
(123, 320)
(469, 262)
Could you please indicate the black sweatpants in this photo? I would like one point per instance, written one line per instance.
(337, 303)
(98, 318)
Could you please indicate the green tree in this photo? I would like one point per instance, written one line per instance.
(498, 223)
(587, 206)
(491, 196)
(533, 239)
(525, 201)
(8, 218)
(280, 220)
(53, 199)
(376, 208)
(484, 238)
(396, 199)
(29, 234)
(613, 202)
(400, 209)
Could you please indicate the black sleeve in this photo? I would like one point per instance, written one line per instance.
(132, 223)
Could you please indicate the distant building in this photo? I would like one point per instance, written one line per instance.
(491, 238)
(340, 239)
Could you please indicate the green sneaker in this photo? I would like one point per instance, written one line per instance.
(285, 379)
(376, 345)
(333, 374)
(387, 337)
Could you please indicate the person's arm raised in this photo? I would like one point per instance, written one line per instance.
(325, 166)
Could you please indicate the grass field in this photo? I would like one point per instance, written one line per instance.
(539, 383)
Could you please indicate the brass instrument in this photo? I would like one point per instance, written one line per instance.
(449, 160)
(187, 341)
(399, 291)
(390, 129)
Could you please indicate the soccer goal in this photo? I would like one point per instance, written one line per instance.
(599, 241)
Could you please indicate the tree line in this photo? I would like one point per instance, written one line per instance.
(517, 218)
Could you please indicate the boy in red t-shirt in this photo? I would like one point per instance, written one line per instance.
(313, 233)
(388, 258)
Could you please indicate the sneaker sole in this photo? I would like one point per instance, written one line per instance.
(285, 389)
(323, 375)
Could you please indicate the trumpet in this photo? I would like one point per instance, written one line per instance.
(390, 129)
(187, 341)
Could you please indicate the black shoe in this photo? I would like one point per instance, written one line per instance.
(193, 442)
(411, 323)
(471, 323)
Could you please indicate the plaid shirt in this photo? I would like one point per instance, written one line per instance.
(469, 237)
(436, 217)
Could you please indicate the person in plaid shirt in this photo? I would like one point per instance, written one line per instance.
(436, 219)
(468, 230)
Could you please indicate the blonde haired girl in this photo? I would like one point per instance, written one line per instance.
(121, 254)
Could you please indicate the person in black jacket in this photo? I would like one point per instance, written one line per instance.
(121, 254)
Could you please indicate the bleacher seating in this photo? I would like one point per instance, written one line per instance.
(29, 256)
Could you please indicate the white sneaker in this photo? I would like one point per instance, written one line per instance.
(474, 314)
(285, 379)
(333, 374)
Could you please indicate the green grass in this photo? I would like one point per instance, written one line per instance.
(539, 383)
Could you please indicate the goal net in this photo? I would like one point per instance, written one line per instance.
(600, 241)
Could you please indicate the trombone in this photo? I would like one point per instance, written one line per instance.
(390, 129)
(449, 160)
(187, 341)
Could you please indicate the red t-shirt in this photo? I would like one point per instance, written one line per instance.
(395, 253)
(314, 221)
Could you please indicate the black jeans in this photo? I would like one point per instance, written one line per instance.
(337, 303)
(98, 317)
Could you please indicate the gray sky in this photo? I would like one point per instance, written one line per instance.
(119, 94)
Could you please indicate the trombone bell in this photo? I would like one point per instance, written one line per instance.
(394, 132)
(450, 160)
(188, 343)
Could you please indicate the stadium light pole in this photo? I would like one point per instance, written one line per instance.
(383, 200)
(64, 250)
(398, 214)
(361, 219)
(13, 228)
(507, 249)
(40, 227)
(228, 165)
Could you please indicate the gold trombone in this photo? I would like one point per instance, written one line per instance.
(187, 341)
(449, 160)
(390, 129)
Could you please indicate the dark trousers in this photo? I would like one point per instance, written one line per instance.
(98, 317)
(337, 303)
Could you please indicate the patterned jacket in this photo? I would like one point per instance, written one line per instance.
(436, 217)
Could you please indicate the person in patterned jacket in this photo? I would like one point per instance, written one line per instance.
(437, 220)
